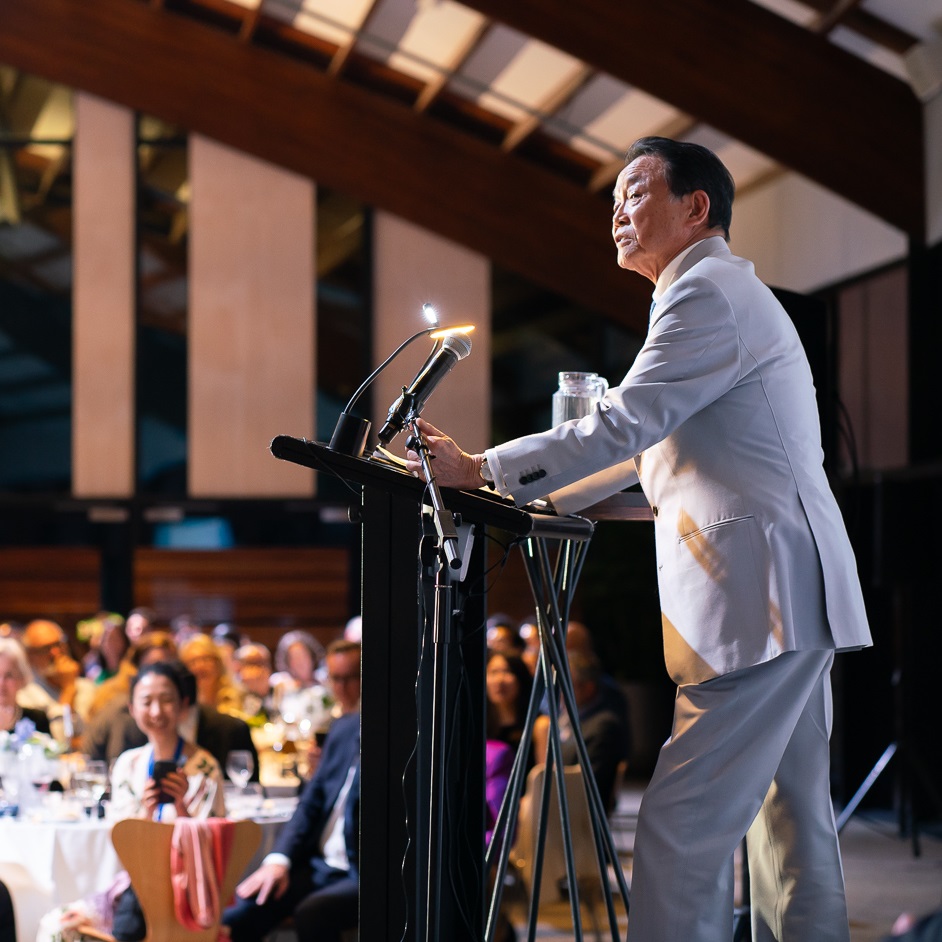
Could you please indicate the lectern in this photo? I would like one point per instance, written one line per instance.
(422, 866)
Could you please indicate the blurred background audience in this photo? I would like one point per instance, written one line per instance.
(15, 673)
(214, 686)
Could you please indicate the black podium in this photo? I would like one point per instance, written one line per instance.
(422, 871)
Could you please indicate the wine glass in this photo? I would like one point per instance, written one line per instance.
(239, 767)
(96, 779)
(89, 784)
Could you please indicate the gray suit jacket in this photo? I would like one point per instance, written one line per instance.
(717, 418)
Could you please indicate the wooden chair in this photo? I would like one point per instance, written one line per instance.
(144, 848)
(552, 888)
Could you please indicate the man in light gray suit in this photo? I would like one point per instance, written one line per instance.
(758, 584)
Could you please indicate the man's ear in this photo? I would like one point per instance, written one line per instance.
(699, 207)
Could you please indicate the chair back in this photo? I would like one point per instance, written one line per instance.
(554, 859)
(143, 847)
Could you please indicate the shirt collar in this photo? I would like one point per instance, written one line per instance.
(670, 271)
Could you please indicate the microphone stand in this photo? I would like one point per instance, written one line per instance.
(442, 638)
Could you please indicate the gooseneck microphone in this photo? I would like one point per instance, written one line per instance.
(441, 361)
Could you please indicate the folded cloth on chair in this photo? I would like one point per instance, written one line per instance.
(199, 855)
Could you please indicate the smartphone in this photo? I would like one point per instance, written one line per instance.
(163, 767)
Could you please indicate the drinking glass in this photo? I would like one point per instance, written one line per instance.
(89, 784)
(240, 766)
(96, 778)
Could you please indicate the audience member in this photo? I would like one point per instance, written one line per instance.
(312, 873)
(252, 670)
(343, 675)
(530, 635)
(57, 686)
(214, 687)
(217, 733)
(160, 697)
(504, 636)
(114, 692)
(140, 620)
(603, 730)
(343, 680)
(508, 685)
(353, 630)
(110, 702)
(579, 638)
(15, 673)
(107, 642)
(498, 763)
(228, 641)
(11, 629)
(183, 627)
(194, 789)
(298, 655)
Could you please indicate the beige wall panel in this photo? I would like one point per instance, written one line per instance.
(412, 266)
(103, 300)
(252, 323)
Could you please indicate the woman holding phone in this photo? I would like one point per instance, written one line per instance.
(169, 777)
(165, 779)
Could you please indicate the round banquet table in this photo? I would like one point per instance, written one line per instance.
(58, 857)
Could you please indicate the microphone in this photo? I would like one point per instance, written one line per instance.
(441, 361)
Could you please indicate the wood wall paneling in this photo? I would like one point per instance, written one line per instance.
(61, 583)
(262, 591)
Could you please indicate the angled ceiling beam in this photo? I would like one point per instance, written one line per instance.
(810, 105)
(383, 153)
(435, 86)
(555, 100)
(827, 19)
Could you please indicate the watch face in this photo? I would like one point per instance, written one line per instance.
(486, 471)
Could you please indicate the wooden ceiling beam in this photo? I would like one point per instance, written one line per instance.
(383, 153)
(810, 105)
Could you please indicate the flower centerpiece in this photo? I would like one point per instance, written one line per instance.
(24, 737)
(28, 760)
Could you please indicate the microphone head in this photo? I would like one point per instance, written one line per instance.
(458, 344)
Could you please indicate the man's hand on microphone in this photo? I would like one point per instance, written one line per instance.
(452, 466)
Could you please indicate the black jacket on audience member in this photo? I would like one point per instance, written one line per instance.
(112, 732)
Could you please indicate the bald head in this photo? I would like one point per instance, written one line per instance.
(42, 633)
(579, 639)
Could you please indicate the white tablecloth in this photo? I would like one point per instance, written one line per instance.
(49, 863)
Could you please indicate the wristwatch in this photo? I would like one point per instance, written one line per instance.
(487, 474)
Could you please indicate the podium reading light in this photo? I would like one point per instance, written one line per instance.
(350, 433)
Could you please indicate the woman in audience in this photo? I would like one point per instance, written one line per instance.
(508, 685)
(297, 658)
(214, 687)
(15, 673)
(112, 694)
(107, 642)
(193, 788)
